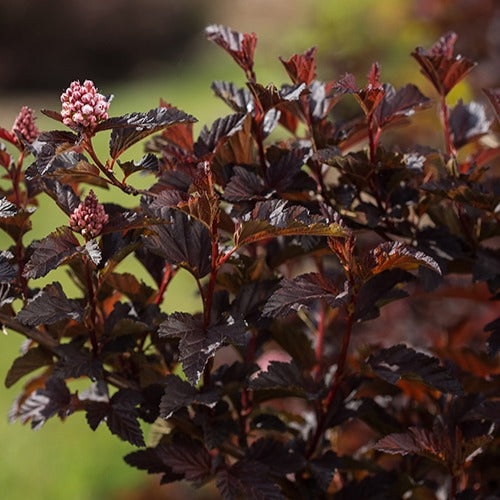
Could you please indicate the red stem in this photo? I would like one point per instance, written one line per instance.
(167, 276)
(450, 150)
(335, 384)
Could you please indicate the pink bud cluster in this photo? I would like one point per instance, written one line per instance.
(83, 106)
(89, 218)
(24, 125)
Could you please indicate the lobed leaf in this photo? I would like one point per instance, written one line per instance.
(49, 306)
(401, 362)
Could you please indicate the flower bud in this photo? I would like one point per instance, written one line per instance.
(89, 218)
(83, 106)
(24, 125)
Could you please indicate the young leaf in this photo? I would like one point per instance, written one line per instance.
(198, 344)
(50, 252)
(49, 306)
(440, 66)
(240, 46)
(301, 68)
(276, 218)
(399, 361)
(303, 291)
(397, 255)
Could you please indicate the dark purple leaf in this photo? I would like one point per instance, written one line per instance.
(302, 292)
(198, 344)
(189, 458)
(7, 271)
(31, 360)
(399, 361)
(210, 139)
(179, 393)
(184, 241)
(286, 377)
(44, 403)
(240, 100)
(244, 185)
(323, 469)
(50, 252)
(280, 459)
(270, 97)
(247, 479)
(49, 306)
(467, 122)
(398, 104)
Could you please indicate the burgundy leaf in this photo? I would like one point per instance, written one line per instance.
(440, 66)
(494, 97)
(31, 360)
(239, 100)
(302, 292)
(50, 252)
(301, 68)
(468, 122)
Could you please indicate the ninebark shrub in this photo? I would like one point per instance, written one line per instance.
(347, 346)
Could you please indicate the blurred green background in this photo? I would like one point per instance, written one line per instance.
(141, 51)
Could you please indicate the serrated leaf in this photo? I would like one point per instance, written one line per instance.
(210, 139)
(148, 459)
(401, 362)
(286, 377)
(391, 255)
(189, 458)
(468, 122)
(302, 292)
(270, 97)
(244, 185)
(179, 393)
(276, 218)
(133, 127)
(240, 100)
(148, 162)
(399, 103)
(247, 479)
(76, 361)
(7, 271)
(301, 68)
(416, 441)
(198, 344)
(44, 403)
(49, 306)
(240, 46)
(440, 66)
(280, 459)
(7, 209)
(185, 242)
(31, 360)
(50, 252)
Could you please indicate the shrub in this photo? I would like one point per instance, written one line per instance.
(347, 346)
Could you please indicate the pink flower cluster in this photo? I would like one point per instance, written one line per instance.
(83, 106)
(89, 218)
(24, 125)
